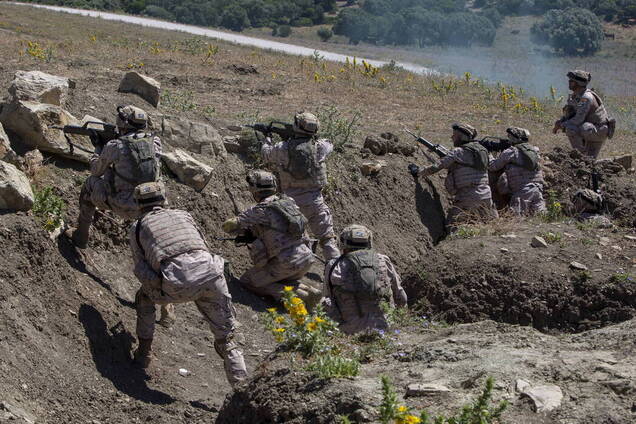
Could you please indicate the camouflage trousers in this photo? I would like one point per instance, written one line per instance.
(215, 304)
(312, 205)
(528, 200)
(97, 193)
(282, 270)
(466, 211)
(587, 138)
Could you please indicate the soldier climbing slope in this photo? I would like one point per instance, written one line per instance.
(280, 255)
(522, 177)
(174, 265)
(359, 281)
(300, 163)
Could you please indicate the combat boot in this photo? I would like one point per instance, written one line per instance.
(233, 362)
(168, 317)
(79, 235)
(143, 353)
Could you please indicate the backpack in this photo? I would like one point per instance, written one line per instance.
(139, 153)
(480, 155)
(287, 209)
(302, 159)
(529, 157)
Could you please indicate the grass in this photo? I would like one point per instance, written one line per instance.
(621, 278)
(334, 366)
(551, 237)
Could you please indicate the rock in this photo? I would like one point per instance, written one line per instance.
(189, 170)
(604, 241)
(183, 372)
(13, 412)
(145, 87)
(243, 69)
(194, 137)
(599, 256)
(232, 144)
(417, 389)
(15, 189)
(509, 236)
(631, 238)
(545, 398)
(578, 266)
(504, 250)
(377, 145)
(32, 162)
(372, 168)
(39, 87)
(521, 385)
(6, 152)
(33, 123)
(625, 161)
(621, 387)
(538, 242)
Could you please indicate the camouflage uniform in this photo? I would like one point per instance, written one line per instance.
(588, 206)
(278, 257)
(588, 128)
(523, 177)
(306, 192)
(173, 264)
(355, 307)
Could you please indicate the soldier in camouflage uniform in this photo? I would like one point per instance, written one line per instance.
(280, 255)
(173, 263)
(522, 173)
(586, 121)
(359, 281)
(588, 206)
(116, 169)
(467, 179)
(300, 163)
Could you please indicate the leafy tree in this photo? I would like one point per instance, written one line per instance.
(234, 17)
(284, 31)
(324, 33)
(158, 12)
(573, 31)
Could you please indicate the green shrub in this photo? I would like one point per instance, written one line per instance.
(48, 208)
(573, 31)
(284, 31)
(334, 366)
(337, 127)
(324, 33)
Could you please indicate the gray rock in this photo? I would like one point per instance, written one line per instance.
(15, 189)
(604, 241)
(33, 123)
(39, 87)
(189, 170)
(32, 162)
(145, 87)
(538, 242)
(578, 266)
(545, 398)
(630, 238)
(6, 152)
(521, 385)
(194, 137)
(417, 389)
(15, 413)
(232, 144)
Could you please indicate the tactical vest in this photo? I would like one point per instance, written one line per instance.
(138, 164)
(480, 155)
(286, 208)
(165, 233)
(529, 158)
(364, 281)
(303, 168)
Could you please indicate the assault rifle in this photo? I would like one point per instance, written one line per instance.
(438, 149)
(243, 239)
(99, 137)
(495, 144)
(283, 129)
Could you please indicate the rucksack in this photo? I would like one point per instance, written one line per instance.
(289, 211)
(480, 155)
(529, 157)
(139, 155)
(303, 162)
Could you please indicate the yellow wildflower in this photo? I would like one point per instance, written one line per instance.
(296, 301)
(279, 330)
(288, 288)
(311, 326)
(402, 408)
(300, 310)
(279, 320)
(410, 419)
(272, 310)
(319, 320)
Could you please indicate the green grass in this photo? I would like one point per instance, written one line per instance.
(334, 366)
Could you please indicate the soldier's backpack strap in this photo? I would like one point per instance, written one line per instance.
(330, 285)
(137, 238)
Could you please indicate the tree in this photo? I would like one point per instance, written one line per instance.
(284, 31)
(234, 17)
(158, 12)
(324, 33)
(573, 31)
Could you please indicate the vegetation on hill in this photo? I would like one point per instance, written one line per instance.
(571, 31)
(610, 10)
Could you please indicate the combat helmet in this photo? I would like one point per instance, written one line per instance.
(131, 117)
(518, 135)
(150, 194)
(306, 123)
(467, 132)
(587, 200)
(356, 237)
(261, 183)
(581, 78)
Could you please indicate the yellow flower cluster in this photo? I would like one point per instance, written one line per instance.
(403, 417)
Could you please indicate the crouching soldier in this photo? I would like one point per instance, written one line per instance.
(359, 281)
(279, 253)
(522, 176)
(174, 265)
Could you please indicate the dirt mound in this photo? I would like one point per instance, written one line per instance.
(489, 277)
(570, 171)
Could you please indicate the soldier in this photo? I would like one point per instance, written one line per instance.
(588, 206)
(522, 173)
(467, 179)
(116, 169)
(174, 265)
(300, 163)
(279, 251)
(357, 283)
(585, 119)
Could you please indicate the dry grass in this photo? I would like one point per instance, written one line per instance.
(96, 53)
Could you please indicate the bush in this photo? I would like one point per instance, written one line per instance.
(572, 31)
(324, 33)
(284, 31)
(158, 12)
(48, 208)
(234, 17)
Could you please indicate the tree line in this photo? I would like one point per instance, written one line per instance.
(609, 10)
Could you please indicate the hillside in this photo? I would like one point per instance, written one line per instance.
(67, 318)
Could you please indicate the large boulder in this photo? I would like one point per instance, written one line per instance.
(33, 123)
(15, 189)
(145, 87)
(6, 152)
(39, 87)
(189, 170)
(192, 136)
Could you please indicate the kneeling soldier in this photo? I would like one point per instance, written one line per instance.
(174, 265)
(359, 281)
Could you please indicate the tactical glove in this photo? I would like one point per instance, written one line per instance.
(414, 170)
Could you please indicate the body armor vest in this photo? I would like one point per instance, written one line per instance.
(138, 163)
(303, 169)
